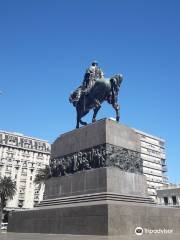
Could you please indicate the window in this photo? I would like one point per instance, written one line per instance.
(174, 200)
(36, 197)
(24, 164)
(24, 170)
(35, 202)
(8, 168)
(166, 200)
(161, 143)
(40, 155)
(20, 203)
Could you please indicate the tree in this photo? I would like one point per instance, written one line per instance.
(42, 175)
(7, 191)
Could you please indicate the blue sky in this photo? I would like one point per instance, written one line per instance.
(46, 45)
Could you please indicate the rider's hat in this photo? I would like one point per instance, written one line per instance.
(94, 63)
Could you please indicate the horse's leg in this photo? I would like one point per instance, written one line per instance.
(83, 123)
(78, 118)
(80, 114)
(96, 109)
(117, 107)
(77, 124)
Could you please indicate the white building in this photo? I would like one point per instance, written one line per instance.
(20, 158)
(154, 161)
(169, 195)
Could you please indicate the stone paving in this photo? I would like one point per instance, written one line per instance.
(36, 236)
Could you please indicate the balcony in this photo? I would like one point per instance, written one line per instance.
(17, 166)
(163, 163)
(165, 179)
(24, 177)
(21, 196)
(170, 205)
(164, 169)
(152, 173)
(32, 167)
(154, 180)
(152, 166)
(24, 167)
(151, 186)
(163, 156)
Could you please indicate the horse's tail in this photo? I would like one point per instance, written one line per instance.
(72, 99)
(75, 96)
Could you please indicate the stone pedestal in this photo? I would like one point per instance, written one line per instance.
(105, 143)
(110, 199)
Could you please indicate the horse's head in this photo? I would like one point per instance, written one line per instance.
(118, 79)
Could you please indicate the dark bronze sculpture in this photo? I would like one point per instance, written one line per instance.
(94, 91)
(105, 155)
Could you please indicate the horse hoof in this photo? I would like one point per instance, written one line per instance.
(117, 119)
(94, 120)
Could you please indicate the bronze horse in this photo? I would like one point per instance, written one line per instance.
(101, 90)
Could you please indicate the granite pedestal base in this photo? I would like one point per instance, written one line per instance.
(98, 187)
(104, 201)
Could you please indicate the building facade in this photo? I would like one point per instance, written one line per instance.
(154, 161)
(169, 195)
(21, 157)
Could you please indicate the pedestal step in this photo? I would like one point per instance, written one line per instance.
(104, 196)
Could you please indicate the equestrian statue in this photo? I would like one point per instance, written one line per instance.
(94, 90)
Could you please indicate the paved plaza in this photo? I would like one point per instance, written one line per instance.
(31, 236)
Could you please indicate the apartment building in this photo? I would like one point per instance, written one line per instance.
(154, 161)
(21, 157)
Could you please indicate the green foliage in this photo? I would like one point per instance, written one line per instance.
(7, 190)
(42, 175)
